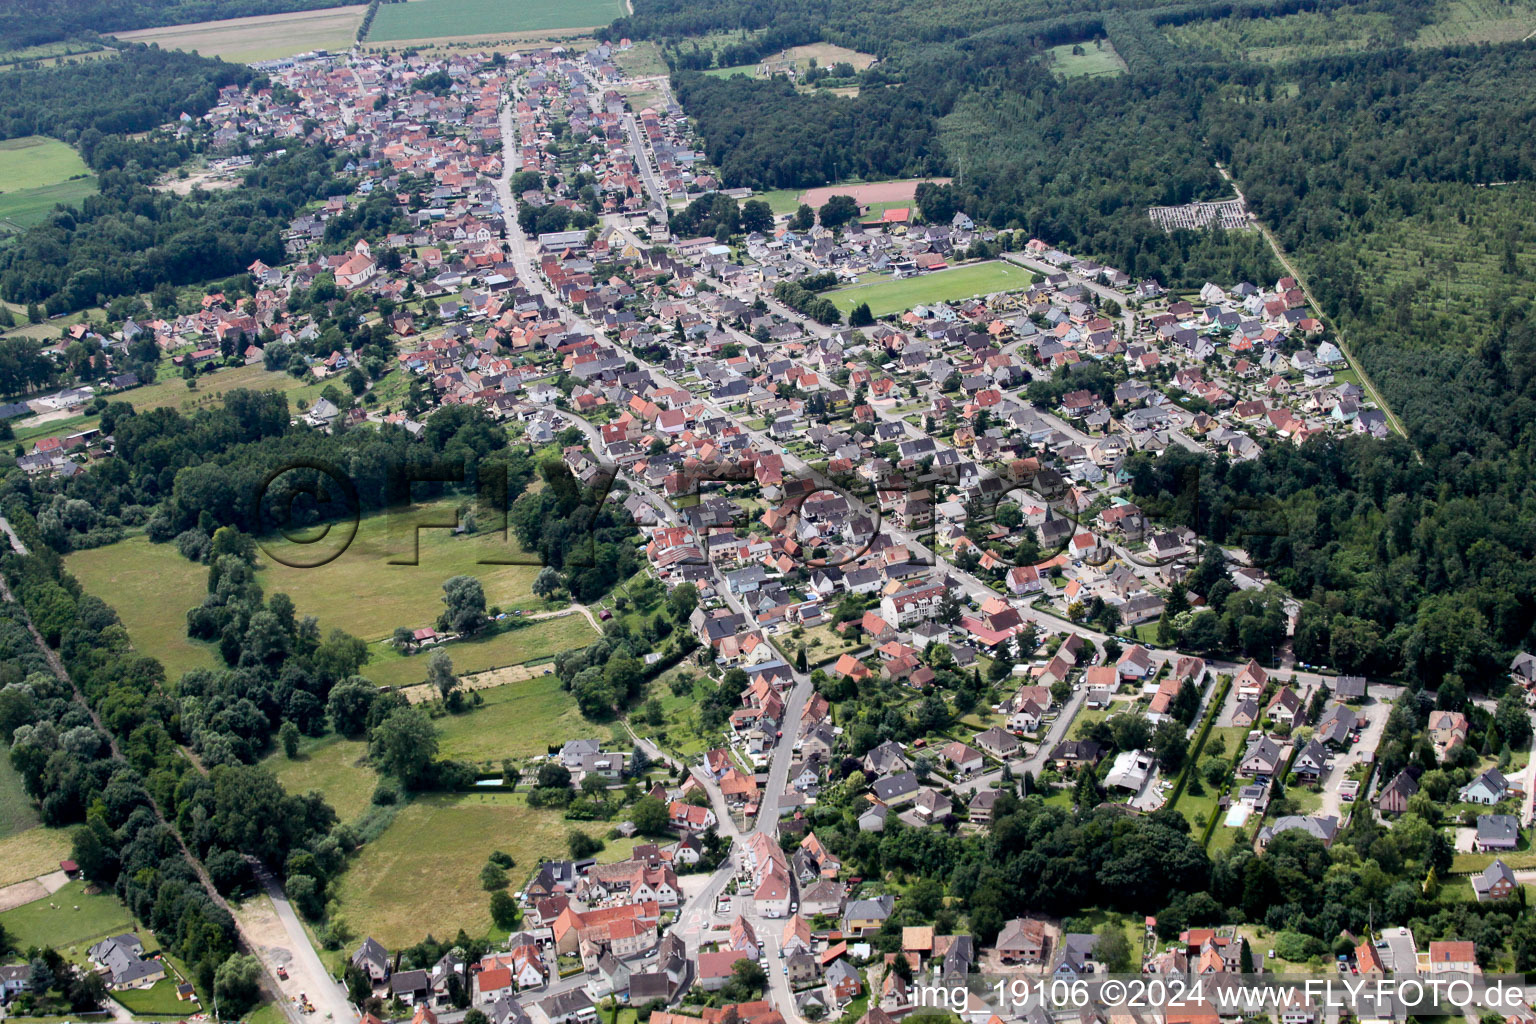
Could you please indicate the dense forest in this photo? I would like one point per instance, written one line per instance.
(143, 87)
(130, 238)
(32, 22)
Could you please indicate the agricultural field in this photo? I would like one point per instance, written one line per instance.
(433, 19)
(1446, 263)
(437, 845)
(264, 37)
(68, 918)
(1085, 60)
(517, 720)
(1479, 21)
(889, 295)
(332, 766)
(35, 174)
(44, 54)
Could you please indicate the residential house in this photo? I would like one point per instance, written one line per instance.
(373, 959)
(867, 915)
(1022, 941)
(1495, 882)
(1393, 797)
(1497, 832)
(1487, 789)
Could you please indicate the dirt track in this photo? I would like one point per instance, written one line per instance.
(879, 192)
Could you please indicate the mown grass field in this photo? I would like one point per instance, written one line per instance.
(429, 19)
(264, 37)
(895, 296)
(170, 391)
(332, 766)
(35, 161)
(1095, 60)
(423, 874)
(151, 587)
(16, 811)
(517, 720)
(364, 594)
(535, 642)
(35, 174)
(68, 918)
(29, 207)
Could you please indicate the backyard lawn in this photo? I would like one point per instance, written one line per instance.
(159, 1000)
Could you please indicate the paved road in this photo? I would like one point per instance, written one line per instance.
(642, 155)
(306, 972)
(16, 544)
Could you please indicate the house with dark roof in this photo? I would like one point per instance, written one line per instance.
(1393, 797)
(1495, 882)
(1497, 832)
(373, 959)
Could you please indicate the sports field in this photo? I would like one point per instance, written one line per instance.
(36, 173)
(264, 37)
(433, 19)
(423, 874)
(889, 295)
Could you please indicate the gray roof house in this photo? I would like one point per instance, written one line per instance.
(1487, 789)
(1323, 828)
(1497, 832)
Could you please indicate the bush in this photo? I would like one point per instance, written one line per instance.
(582, 845)
(386, 793)
(1298, 947)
